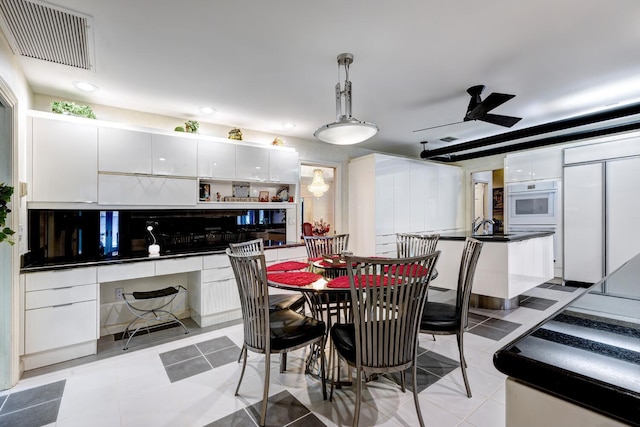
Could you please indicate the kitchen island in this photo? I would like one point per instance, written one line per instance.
(509, 265)
(580, 367)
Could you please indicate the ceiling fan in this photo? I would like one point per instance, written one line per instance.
(478, 109)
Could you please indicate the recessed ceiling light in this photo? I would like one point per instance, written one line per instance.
(85, 86)
(288, 125)
(208, 110)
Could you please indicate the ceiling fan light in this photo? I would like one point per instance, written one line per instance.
(318, 187)
(346, 131)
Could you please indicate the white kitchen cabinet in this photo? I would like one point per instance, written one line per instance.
(216, 159)
(178, 265)
(252, 163)
(65, 161)
(60, 311)
(284, 166)
(124, 151)
(623, 205)
(139, 190)
(533, 165)
(584, 223)
(389, 195)
(125, 271)
(174, 155)
(215, 299)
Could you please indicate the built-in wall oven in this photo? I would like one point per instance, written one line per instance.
(535, 206)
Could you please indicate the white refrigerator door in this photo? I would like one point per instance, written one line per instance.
(623, 205)
(584, 223)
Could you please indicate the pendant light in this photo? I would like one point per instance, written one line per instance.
(346, 130)
(318, 187)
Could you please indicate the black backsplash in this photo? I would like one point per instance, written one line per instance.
(62, 236)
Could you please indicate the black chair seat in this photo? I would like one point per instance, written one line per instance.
(286, 301)
(439, 317)
(290, 329)
(343, 336)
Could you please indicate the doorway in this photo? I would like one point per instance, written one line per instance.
(487, 198)
(318, 207)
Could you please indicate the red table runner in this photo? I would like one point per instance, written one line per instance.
(412, 271)
(296, 278)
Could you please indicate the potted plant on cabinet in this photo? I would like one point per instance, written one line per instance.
(5, 197)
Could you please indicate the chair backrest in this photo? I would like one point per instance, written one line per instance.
(251, 278)
(387, 307)
(307, 229)
(412, 245)
(250, 247)
(468, 263)
(320, 245)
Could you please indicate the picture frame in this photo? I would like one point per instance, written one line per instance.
(240, 189)
(205, 192)
(498, 195)
(264, 196)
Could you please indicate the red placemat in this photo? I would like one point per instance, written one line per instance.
(343, 281)
(412, 271)
(295, 278)
(288, 266)
(315, 259)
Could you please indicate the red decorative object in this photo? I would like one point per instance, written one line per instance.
(288, 266)
(414, 271)
(320, 228)
(298, 278)
(343, 281)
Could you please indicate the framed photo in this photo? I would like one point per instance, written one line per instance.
(498, 194)
(240, 189)
(264, 196)
(205, 192)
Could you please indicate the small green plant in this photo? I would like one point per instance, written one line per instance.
(192, 126)
(179, 129)
(5, 197)
(65, 107)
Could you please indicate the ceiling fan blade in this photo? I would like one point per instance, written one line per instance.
(496, 119)
(490, 102)
(439, 126)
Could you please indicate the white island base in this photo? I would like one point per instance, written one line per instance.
(505, 270)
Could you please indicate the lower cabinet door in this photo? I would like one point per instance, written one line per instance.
(59, 326)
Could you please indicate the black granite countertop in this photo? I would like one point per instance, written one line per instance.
(140, 258)
(587, 353)
(495, 237)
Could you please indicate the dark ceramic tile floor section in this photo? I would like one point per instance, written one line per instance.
(282, 408)
(195, 359)
(34, 407)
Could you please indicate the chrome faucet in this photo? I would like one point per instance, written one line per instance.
(477, 225)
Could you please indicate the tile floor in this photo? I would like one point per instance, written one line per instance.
(173, 379)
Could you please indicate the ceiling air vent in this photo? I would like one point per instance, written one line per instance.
(42, 31)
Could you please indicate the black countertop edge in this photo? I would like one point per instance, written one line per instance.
(141, 258)
(604, 398)
(496, 237)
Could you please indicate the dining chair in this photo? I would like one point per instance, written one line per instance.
(307, 229)
(321, 245)
(279, 301)
(386, 309)
(269, 331)
(440, 318)
(411, 245)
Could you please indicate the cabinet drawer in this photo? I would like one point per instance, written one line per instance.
(217, 274)
(59, 278)
(181, 265)
(110, 273)
(56, 327)
(59, 296)
(297, 252)
(216, 261)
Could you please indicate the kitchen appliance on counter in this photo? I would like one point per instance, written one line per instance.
(534, 206)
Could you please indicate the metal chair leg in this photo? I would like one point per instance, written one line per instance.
(244, 365)
(414, 371)
(463, 364)
(283, 362)
(402, 382)
(244, 347)
(356, 410)
(265, 394)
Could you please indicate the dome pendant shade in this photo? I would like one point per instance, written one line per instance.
(318, 187)
(346, 130)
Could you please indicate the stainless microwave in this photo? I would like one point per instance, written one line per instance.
(534, 203)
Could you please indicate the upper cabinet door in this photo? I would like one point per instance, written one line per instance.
(65, 161)
(174, 155)
(517, 168)
(122, 150)
(216, 159)
(252, 163)
(283, 166)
